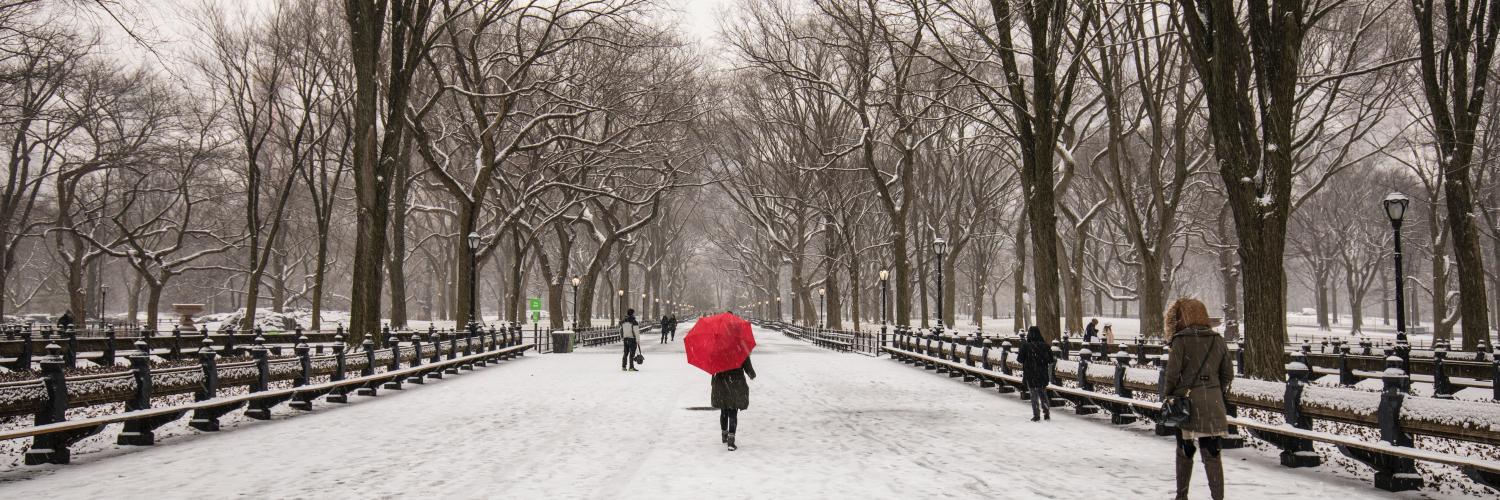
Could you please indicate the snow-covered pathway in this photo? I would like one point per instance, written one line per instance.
(820, 425)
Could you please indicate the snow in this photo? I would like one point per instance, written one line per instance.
(821, 425)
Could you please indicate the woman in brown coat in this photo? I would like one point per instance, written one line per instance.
(1199, 369)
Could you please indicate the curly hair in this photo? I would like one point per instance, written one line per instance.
(1186, 313)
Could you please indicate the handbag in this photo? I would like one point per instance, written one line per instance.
(640, 357)
(1176, 410)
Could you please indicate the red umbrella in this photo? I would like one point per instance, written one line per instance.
(719, 343)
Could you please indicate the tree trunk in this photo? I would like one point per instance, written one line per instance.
(1023, 320)
(1441, 329)
(1320, 290)
(1264, 281)
(153, 303)
(1153, 296)
(1074, 288)
(320, 276)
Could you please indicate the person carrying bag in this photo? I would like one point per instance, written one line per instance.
(1199, 373)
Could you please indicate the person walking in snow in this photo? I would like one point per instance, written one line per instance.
(1198, 368)
(630, 335)
(730, 394)
(666, 325)
(1036, 363)
(1091, 332)
(674, 327)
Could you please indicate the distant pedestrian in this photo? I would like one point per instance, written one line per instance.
(674, 327)
(730, 394)
(630, 334)
(1091, 332)
(1036, 363)
(65, 322)
(665, 325)
(1109, 334)
(1198, 368)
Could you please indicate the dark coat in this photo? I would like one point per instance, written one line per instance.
(65, 321)
(1193, 347)
(1090, 333)
(731, 389)
(1036, 362)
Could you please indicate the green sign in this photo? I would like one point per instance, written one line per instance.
(535, 304)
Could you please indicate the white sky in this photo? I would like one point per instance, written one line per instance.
(164, 24)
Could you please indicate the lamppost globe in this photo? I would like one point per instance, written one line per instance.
(885, 275)
(1395, 206)
(577, 281)
(474, 241)
(940, 246)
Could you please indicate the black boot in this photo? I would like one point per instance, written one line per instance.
(724, 437)
(729, 438)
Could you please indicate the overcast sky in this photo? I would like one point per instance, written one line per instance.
(160, 30)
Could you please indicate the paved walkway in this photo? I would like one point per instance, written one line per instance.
(821, 425)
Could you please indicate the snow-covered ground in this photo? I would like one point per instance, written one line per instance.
(821, 425)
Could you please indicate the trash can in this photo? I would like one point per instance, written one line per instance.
(562, 341)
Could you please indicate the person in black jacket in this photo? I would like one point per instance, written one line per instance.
(1036, 365)
(1091, 332)
(731, 393)
(674, 327)
(65, 321)
(666, 326)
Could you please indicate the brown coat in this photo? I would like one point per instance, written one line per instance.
(1191, 348)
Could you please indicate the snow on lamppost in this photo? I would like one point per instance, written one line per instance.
(941, 247)
(473, 281)
(576, 282)
(1395, 210)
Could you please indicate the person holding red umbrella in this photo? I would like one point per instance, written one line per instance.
(721, 345)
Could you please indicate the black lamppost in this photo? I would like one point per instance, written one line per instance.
(822, 306)
(885, 284)
(1395, 209)
(103, 300)
(941, 247)
(473, 281)
(576, 282)
(778, 306)
(619, 308)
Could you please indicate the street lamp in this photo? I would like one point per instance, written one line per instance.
(1395, 210)
(576, 282)
(822, 305)
(885, 284)
(620, 308)
(778, 306)
(473, 281)
(941, 247)
(103, 300)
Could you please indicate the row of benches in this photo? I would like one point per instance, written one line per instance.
(53, 434)
(1393, 465)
